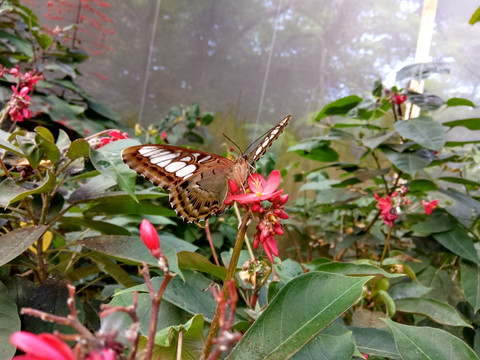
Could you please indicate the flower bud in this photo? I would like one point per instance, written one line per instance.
(149, 235)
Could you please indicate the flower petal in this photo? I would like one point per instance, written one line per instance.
(256, 183)
(273, 181)
(43, 346)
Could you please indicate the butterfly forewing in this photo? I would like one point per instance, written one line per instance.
(197, 180)
(268, 140)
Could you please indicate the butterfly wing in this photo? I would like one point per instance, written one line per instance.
(267, 141)
(197, 180)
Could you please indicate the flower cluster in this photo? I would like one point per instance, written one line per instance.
(269, 218)
(18, 106)
(113, 135)
(390, 205)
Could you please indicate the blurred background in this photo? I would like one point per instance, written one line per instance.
(255, 61)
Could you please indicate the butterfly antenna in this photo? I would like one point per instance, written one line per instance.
(233, 142)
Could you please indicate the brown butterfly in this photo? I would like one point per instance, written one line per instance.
(197, 180)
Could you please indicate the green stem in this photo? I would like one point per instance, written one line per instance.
(230, 273)
(387, 242)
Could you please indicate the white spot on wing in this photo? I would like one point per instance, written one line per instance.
(149, 150)
(187, 170)
(175, 166)
(204, 159)
(186, 158)
(161, 158)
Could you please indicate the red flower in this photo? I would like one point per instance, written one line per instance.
(149, 235)
(114, 136)
(19, 104)
(105, 354)
(389, 214)
(260, 189)
(41, 347)
(429, 206)
(399, 98)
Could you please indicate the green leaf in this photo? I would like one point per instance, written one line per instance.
(459, 102)
(300, 310)
(194, 261)
(458, 180)
(46, 144)
(422, 185)
(10, 323)
(128, 206)
(438, 222)
(373, 142)
(31, 150)
(471, 283)
(355, 269)
(409, 162)
(423, 130)
(375, 342)
(17, 241)
(339, 107)
(437, 311)
(102, 226)
(102, 109)
(192, 340)
(475, 17)
(471, 124)
(458, 242)
(333, 343)
(61, 109)
(423, 342)
(5, 144)
(422, 71)
(21, 45)
(108, 161)
(130, 248)
(61, 66)
(10, 192)
(389, 303)
(111, 268)
(189, 295)
(408, 290)
(44, 40)
(315, 149)
(207, 119)
(426, 102)
(78, 149)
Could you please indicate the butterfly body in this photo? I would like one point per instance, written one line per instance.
(197, 180)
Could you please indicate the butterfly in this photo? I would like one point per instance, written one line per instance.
(197, 180)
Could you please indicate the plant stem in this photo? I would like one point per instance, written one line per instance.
(387, 243)
(230, 273)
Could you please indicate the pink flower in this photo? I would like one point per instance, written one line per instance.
(19, 103)
(164, 136)
(149, 235)
(260, 189)
(105, 354)
(429, 206)
(40, 347)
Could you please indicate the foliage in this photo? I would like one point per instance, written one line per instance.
(404, 287)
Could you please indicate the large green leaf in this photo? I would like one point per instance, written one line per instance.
(375, 342)
(301, 309)
(10, 192)
(121, 205)
(409, 162)
(5, 144)
(108, 266)
(424, 131)
(194, 261)
(422, 71)
(333, 343)
(459, 102)
(457, 241)
(189, 295)
(374, 141)
(339, 107)
(471, 283)
(427, 102)
(10, 322)
(108, 161)
(167, 340)
(419, 343)
(355, 269)
(17, 241)
(438, 311)
(471, 124)
(439, 221)
(315, 149)
(130, 248)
